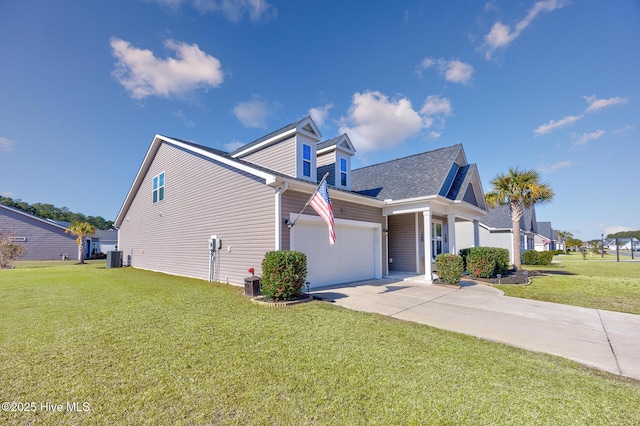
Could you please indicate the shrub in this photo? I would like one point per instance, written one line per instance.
(486, 262)
(9, 250)
(529, 257)
(283, 274)
(450, 267)
(532, 257)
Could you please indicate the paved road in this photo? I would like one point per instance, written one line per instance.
(602, 339)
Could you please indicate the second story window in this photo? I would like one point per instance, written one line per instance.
(343, 171)
(306, 160)
(158, 187)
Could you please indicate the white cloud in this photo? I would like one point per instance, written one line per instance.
(143, 74)
(502, 35)
(436, 105)
(233, 10)
(586, 137)
(233, 145)
(6, 144)
(376, 121)
(180, 114)
(453, 70)
(552, 125)
(555, 166)
(255, 112)
(320, 114)
(596, 104)
(8, 194)
(624, 129)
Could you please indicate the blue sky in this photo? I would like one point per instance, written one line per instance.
(550, 85)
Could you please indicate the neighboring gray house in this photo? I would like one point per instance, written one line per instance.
(394, 216)
(547, 238)
(106, 240)
(496, 230)
(44, 239)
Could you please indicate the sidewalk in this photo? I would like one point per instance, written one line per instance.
(602, 339)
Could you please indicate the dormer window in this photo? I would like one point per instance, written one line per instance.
(343, 171)
(306, 160)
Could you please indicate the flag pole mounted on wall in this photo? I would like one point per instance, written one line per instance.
(321, 203)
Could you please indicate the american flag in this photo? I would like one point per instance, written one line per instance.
(321, 203)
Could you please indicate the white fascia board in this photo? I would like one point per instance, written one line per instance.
(278, 137)
(334, 193)
(336, 146)
(268, 177)
(153, 149)
(436, 203)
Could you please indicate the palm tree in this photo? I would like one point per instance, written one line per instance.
(82, 230)
(519, 189)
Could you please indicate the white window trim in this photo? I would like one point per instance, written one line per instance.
(153, 190)
(338, 180)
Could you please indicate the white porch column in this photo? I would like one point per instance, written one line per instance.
(476, 233)
(428, 261)
(451, 224)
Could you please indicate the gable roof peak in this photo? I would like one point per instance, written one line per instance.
(341, 142)
(305, 125)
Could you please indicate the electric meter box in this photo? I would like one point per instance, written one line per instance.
(215, 243)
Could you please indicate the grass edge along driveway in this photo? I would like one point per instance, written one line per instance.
(591, 283)
(137, 347)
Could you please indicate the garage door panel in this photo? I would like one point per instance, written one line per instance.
(351, 258)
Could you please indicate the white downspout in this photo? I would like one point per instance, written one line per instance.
(278, 214)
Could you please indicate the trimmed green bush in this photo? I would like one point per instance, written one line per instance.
(449, 267)
(532, 257)
(283, 274)
(486, 262)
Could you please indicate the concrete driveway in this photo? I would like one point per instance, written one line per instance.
(602, 339)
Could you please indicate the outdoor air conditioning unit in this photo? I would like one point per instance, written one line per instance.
(114, 259)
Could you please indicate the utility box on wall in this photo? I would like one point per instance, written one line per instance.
(252, 286)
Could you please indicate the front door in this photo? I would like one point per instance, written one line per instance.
(436, 238)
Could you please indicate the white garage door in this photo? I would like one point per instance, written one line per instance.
(355, 256)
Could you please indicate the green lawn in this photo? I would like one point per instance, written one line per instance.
(146, 348)
(592, 283)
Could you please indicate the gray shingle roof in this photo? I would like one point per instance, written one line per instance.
(328, 143)
(500, 218)
(270, 135)
(544, 229)
(413, 176)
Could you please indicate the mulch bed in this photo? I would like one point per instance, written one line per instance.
(510, 277)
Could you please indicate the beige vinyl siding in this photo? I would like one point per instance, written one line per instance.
(280, 157)
(293, 202)
(402, 243)
(201, 198)
(501, 239)
(326, 159)
(464, 235)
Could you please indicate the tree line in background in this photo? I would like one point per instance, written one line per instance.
(49, 211)
(625, 234)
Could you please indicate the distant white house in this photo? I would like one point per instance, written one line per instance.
(623, 244)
